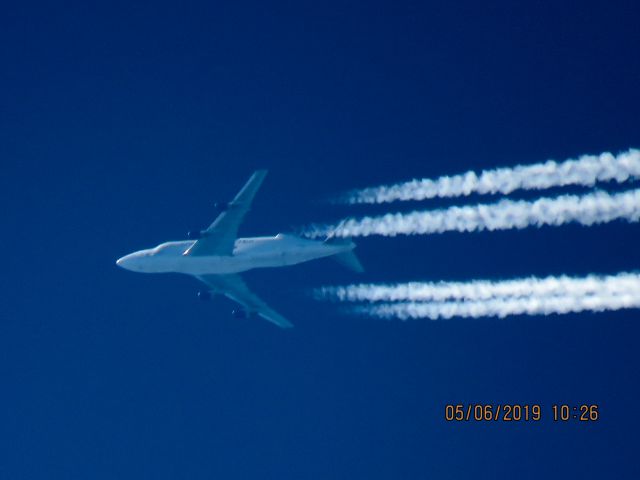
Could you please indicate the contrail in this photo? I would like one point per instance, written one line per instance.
(502, 307)
(486, 298)
(588, 209)
(586, 171)
(479, 290)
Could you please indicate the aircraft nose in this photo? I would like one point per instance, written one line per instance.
(122, 261)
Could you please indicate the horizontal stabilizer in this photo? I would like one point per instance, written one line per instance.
(349, 260)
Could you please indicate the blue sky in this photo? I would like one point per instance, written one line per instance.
(120, 124)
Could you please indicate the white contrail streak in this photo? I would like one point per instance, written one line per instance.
(589, 209)
(475, 290)
(486, 298)
(502, 307)
(586, 171)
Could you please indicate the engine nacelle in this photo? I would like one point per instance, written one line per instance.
(194, 234)
(241, 313)
(220, 206)
(204, 295)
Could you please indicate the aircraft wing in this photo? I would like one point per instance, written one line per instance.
(221, 235)
(233, 287)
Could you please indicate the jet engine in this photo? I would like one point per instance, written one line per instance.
(220, 206)
(194, 234)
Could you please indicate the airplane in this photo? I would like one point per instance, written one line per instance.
(216, 256)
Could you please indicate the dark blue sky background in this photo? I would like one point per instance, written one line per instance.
(120, 124)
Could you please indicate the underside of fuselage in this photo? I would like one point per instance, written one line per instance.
(249, 253)
(215, 256)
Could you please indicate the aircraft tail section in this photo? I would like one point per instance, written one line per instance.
(349, 260)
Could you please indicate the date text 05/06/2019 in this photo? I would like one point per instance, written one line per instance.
(515, 412)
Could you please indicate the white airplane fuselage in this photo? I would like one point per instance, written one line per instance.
(248, 253)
